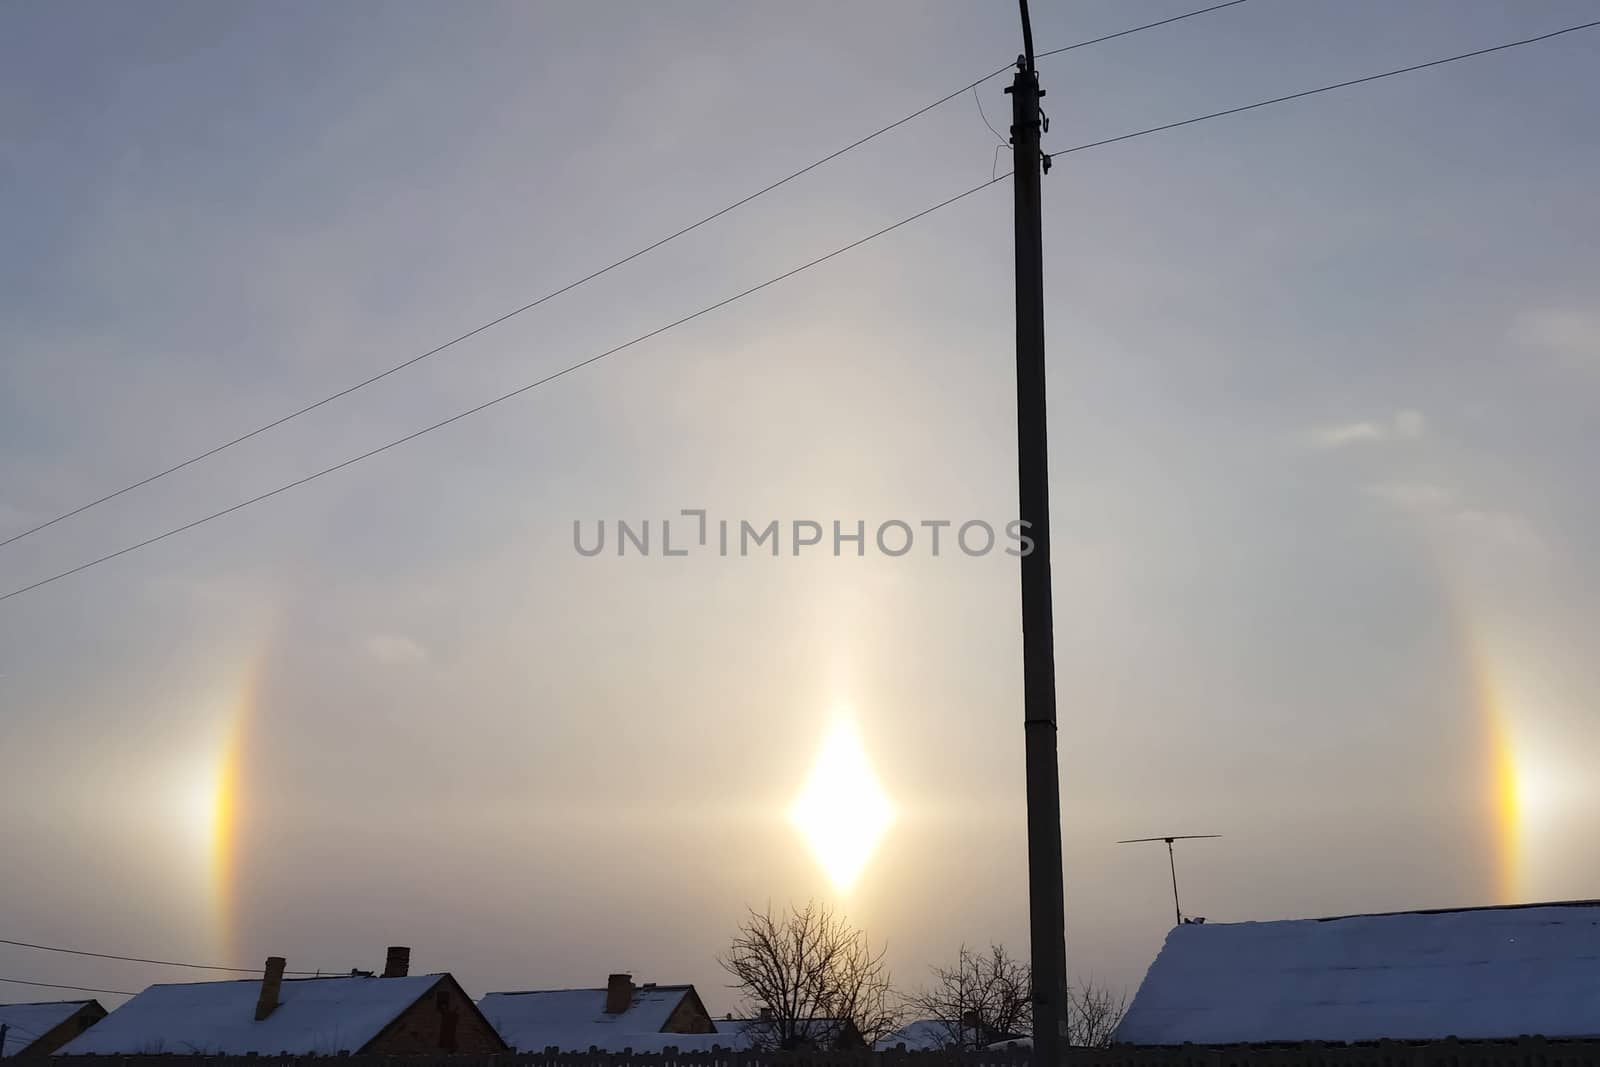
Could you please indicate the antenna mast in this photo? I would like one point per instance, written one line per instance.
(1172, 864)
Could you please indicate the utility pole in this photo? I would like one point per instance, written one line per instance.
(1047, 934)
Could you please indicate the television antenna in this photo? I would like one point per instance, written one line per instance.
(1172, 864)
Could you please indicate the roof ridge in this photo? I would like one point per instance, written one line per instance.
(257, 981)
(1470, 908)
(638, 987)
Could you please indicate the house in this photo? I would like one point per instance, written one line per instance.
(40, 1029)
(1472, 973)
(763, 1032)
(931, 1035)
(922, 1035)
(621, 1015)
(396, 1014)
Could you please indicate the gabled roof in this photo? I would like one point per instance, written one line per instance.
(573, 1020)
(27, 1023)
(1475, 973)
(314, 1015)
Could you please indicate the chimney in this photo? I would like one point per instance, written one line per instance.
(271, 982)
(619, 993)
(398, 965)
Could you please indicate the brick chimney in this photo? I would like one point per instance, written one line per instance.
(619, 993)
(271, 982)
(398, 965)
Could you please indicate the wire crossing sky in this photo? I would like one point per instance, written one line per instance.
(703, 311)
(140, 959)
(78, 988)
(512, 394)
(1322, 392)
(585, 279)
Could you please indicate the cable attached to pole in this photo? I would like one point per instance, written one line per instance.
(139, 959)
(79, 988)
(584, 280)
(1027, 37)
(1329, 88)
(485, 405)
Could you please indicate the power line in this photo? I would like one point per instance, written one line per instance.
(139, 959)
(979, 101)
(504, 396)
(1136, 29)
(1328, 88)
(728, 300)
(243, 437)
(79, 988)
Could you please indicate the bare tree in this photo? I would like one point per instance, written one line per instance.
(984, 998)
(810, 979)
(1093, 1013)
(987, 998)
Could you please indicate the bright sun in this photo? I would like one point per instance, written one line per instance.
(842, 811)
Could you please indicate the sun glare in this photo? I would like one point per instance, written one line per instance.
(1508, 801)
(842, 812)
(220, 816)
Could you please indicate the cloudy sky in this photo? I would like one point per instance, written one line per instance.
(1324, 381)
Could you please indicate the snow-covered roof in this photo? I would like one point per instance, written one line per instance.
(748, 1032)
(573, 1020)
(736, 1032)
(1473, 974)
(27, 1023)
(923, 1035)
(314, 1015)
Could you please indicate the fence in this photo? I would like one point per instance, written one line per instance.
(1524, 1052)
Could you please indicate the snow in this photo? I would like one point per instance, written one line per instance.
(314, 1015)
(743, 1033)
(1472, 974)
(923, 1035)
(29, 1022)
(736, 1033)
(573, 1020)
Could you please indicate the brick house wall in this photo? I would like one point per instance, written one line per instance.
(689, 1017)
(442, 1020)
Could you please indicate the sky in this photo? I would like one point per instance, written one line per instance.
(1323, 392)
